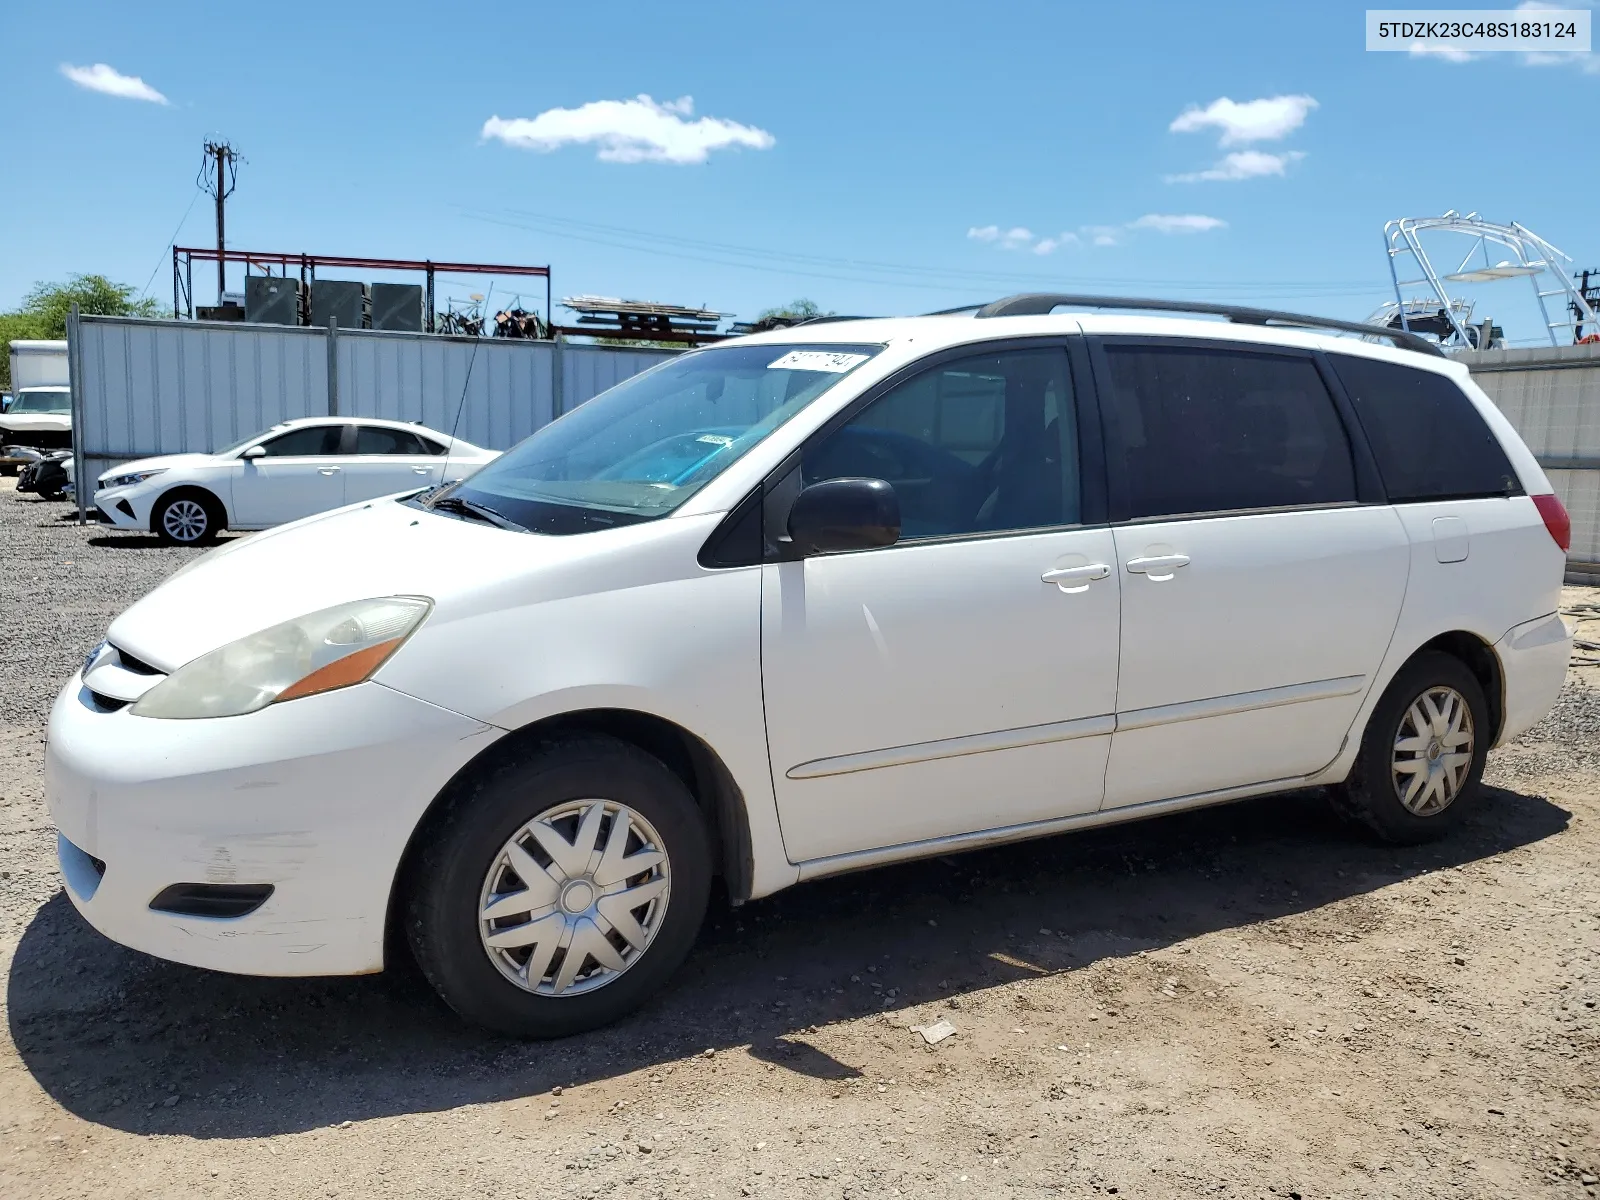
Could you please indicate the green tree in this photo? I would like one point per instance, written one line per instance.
(44, 311)
(798, 310)
(95, 295)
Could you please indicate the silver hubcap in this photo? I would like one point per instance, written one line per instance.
(574, 898)
(1433, 751)
(185, 520)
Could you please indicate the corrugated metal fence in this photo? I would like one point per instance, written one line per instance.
(146, 387)
(1552, 396)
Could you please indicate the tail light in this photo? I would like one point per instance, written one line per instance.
(1555, 520)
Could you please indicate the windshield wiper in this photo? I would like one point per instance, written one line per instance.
(480, 512)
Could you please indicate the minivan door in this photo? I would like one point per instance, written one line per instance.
(1259, 593)
(963, 679)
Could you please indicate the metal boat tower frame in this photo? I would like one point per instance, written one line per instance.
(1535, 259)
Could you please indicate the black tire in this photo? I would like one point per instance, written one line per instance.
(1371, 796)
(190, 498)
(445, 882)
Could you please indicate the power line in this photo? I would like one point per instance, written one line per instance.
(192, 201)
(872, 271)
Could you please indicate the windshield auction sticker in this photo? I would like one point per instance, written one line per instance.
(817, 360)
(1454, 33)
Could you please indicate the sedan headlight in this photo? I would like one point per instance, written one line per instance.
(319, 652)
(133, 477)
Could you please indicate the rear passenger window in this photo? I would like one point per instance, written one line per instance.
(1425, 432)
(379, 439)
(1204, 431)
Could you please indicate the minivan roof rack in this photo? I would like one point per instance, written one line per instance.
(1033, 304)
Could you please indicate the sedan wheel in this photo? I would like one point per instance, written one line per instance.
(186, 520)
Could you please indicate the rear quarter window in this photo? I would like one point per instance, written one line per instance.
(1425, 432)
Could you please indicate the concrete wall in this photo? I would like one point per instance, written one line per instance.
(1552, 396)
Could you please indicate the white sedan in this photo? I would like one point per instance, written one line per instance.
(292, 470)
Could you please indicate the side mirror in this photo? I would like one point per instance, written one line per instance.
(255, 452)
(845, 514)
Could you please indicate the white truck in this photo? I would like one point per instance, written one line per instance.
(39, 417)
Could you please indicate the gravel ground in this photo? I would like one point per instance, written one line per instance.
(1243, 1002)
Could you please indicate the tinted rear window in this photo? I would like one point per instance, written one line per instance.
(1425, 432)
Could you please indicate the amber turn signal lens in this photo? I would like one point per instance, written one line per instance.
(342, 672)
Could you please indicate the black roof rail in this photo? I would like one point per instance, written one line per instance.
(1033, 304)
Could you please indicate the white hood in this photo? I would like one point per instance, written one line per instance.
(386, 548)
(164, 462)
(24, 422)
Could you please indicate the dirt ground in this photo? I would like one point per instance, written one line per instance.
(1244, 1002)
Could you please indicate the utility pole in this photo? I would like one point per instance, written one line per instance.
(219, 173)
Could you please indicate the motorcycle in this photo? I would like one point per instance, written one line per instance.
(49, 476)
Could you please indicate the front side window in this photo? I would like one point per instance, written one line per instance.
(1427, 436)
(1201, 430)
(641, 449)
(307, 440)
(978, 445)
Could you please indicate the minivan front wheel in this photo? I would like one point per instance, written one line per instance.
(1423, 752)
(562, 892)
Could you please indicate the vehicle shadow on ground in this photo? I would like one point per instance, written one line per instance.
(114, 1036)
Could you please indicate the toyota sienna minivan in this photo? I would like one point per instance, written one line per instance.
(802, 603)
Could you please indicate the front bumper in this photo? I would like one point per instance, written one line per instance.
(126, 507)
(317, 797)
(1533, 664)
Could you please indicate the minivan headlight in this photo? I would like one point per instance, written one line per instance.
(315, 653)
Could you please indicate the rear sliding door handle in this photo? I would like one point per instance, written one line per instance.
(1076, 578)
(1158, 566)
(327, 470)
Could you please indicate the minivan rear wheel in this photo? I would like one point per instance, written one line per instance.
(1422, 755)
(561, 892)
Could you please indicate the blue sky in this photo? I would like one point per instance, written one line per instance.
(842, 138)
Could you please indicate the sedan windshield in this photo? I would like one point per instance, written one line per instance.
(640, 450)
(53, 402)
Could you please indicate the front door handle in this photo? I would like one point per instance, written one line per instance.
(1158, 567)
(1074, 578)
(422, 470)
(327, 470)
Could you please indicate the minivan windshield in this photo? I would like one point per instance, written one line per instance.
(641, 449)
(46, 400)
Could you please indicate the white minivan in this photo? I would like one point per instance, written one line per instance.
(801, 603)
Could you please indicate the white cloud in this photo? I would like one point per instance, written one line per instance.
(111, 82)
(1241, 164)
(1185, 223)
(1588, 63)
(1263, 120)
(1019, 237)
(1050, 245)
(1008, 239)
(1452, 54)
(630, 131)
